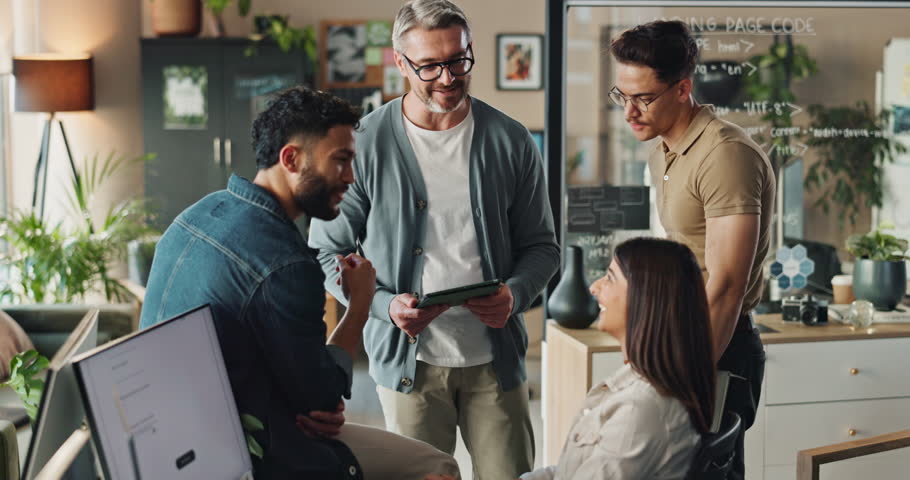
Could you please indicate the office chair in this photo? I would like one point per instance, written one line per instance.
(715, 455)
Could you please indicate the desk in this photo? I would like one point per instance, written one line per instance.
(822, 385)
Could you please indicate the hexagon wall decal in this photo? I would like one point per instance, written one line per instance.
(792, 267)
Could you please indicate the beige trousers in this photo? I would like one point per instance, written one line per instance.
(386, 456)
(495, 425)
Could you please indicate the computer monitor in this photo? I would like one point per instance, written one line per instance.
(159, 404)
(60, 411)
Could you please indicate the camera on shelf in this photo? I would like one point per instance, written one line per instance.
(804, 308)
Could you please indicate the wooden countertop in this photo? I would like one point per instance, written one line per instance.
(594, 341)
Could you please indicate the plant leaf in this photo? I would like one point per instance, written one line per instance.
(251, 423)
(254, 447)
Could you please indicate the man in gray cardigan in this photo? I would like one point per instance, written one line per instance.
(448, 191)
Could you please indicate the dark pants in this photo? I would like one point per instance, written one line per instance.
(744, 357)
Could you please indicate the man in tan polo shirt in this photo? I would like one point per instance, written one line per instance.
(715, 193)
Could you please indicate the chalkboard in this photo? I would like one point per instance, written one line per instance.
(606, 208)
(599, 216)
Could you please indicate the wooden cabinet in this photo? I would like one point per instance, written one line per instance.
(199, 98)
(822, 385)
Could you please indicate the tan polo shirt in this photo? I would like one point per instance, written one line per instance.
(716, 170)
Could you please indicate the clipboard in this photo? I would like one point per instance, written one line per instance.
(458, 295)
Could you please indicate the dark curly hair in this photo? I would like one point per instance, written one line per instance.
(666, 46)
(298, 111)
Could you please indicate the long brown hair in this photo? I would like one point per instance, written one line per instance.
(668, 333)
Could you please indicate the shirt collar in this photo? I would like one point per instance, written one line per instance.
(256, 195)
(622, 378)
(704, 116)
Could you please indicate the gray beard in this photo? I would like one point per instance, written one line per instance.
(435, 107)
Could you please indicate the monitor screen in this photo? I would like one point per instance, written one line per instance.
(60, 412)
(160, 405)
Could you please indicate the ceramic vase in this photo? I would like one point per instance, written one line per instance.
(571, 304)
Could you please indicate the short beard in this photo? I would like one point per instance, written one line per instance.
(313, 196)
(435, 107)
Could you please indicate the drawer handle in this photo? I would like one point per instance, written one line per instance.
(854, 371)
(851, 432)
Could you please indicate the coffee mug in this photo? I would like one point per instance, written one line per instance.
(843, 289)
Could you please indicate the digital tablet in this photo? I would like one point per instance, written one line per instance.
(458, 295)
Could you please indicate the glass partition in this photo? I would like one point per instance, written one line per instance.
(807, 80)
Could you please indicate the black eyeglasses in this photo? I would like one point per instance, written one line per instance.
(621, 99)
(457, 67)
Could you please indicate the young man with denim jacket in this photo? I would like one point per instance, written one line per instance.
(239, 251)
(450, 192)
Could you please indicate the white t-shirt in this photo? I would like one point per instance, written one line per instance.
(457, 338)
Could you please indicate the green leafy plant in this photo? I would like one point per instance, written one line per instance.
(878, 246)
(853, 145)
(251, 425)
(24, 368)
(287, 37)
(56, 263)
(778, 69)
(217, 8)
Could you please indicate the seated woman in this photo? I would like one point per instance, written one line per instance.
(646, 420)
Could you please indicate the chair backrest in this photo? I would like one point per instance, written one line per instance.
(714, 458)
(9, 451)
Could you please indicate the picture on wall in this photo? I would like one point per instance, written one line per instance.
(538, 137)
(185, 97)
(352, 56)
(519, 61)
(345, 53)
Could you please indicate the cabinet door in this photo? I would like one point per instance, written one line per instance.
(248, 81)
(182, 122)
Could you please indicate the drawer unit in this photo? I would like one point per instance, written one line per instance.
(841, 370)
(790, 428)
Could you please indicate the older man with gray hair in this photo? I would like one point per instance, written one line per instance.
(449, 192)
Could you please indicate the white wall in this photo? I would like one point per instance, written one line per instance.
(109, 30)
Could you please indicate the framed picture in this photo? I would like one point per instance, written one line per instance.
(538, 137)
(354, 56)
(519, 61)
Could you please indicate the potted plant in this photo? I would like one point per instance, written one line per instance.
(58, 263)
(177, 18)
(849, 167)
(276, 28)
(782, 65)
(216, 7)
(880, 270)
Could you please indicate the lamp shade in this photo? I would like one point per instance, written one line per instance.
(53, 82)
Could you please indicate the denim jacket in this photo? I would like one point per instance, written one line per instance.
(239, 252)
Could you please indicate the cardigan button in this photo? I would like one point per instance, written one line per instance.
(406, 382)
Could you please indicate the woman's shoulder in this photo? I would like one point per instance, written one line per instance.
(642, 403)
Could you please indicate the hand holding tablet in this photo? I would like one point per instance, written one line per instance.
(458, 295)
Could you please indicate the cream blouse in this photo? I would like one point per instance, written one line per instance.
(626, 430)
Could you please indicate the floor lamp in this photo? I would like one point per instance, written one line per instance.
(52, 83)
